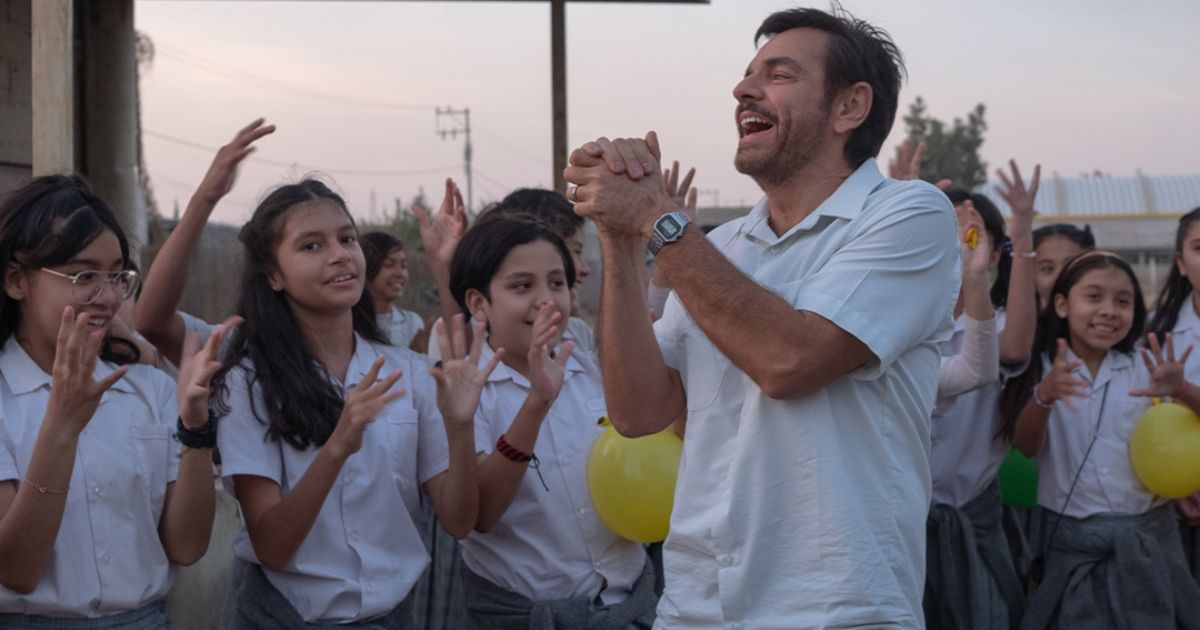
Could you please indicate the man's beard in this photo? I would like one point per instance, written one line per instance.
(799, 149)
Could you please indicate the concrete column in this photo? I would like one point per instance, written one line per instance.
(53, 76)
(110, 111)
(16, 98)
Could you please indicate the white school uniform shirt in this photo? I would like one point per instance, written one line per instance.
(1187, 333)
(550, 544)
(364, 551)
(1107, 483)
(966, 454)
(811, 512)
(400, 326)
(107, 558)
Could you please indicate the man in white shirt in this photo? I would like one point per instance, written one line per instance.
(801, 343)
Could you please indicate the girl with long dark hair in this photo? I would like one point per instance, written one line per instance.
(325, 454)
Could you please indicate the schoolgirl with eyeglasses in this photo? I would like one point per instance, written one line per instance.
(98, 499)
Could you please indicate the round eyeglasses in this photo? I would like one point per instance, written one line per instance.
(89, 284)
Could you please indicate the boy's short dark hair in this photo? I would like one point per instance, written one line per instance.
(538, 204)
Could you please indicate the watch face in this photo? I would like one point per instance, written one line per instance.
(669, 227)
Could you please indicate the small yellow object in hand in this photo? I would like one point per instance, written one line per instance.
(971, 238)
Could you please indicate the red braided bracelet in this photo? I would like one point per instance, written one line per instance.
(510, 452)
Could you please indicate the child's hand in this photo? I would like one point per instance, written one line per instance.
(459, 378)
(546, 373)
(441, 233)
(74, 392)
(218, 181)
(1189, 509)
(682, 192)
(1061, 384)
(975, 244)
(1019, 197)
(1166, 376)
(196, 370)
(365, 402)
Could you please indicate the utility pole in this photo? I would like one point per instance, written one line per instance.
(460, 122)
(558, 89)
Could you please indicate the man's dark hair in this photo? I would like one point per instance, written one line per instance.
(857, 51)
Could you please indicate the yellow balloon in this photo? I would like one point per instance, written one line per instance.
(1165, 449)
(632, 482)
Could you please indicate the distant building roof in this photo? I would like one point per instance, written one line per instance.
(1138, 196)
(1105, 195)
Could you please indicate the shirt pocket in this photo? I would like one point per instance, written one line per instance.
(1131, 410)
(403, 434)
(153, 443)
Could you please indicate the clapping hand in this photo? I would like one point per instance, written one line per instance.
(459, 377)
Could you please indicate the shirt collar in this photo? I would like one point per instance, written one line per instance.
(24, 376)
(845, 203)
(1188, 320)
(1113, 361)
(361, 361)
(504, 373)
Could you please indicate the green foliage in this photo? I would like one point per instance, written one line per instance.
(951, 151)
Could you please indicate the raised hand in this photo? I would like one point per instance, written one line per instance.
(1061, 384)
(623, 205)
(459, 377)
(907, 163)
(74, 391)
(1017, 195)
(441, 232)
(365, 402)
(546, 370)
(219, 179)
(196, 370)
(976, 246)
(1166, 374)
(681, 191)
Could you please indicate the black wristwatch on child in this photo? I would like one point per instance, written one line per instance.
(204, 437)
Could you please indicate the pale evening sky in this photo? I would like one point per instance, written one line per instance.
(1077, 85)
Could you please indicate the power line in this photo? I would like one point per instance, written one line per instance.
(504, 144)
(332, 171)
(267, 83)
(493, 180)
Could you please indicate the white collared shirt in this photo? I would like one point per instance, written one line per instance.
(107, 557)
(1107, 483)
(400, 326)
(1187, 333)
(550, 544)
(965, 453)
(811, 512)
(364, 551)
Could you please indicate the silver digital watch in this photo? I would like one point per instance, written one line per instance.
(667, 229)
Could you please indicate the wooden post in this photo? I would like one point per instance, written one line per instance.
(558, 88)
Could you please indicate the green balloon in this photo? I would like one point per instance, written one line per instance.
(1018, 478)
